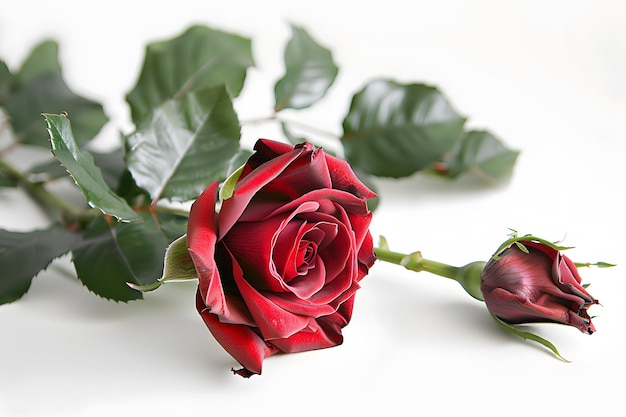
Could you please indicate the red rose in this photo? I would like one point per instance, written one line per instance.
(540, 286)
(280, 262)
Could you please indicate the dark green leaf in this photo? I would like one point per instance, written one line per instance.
(112, 165)
(395, 130)
(198, 58)
(42, 61)
(6, 180)
(114, 255)
(101, 265)
(23, 255)
(48, 170)
(484, 155)
(38, 88)
(172, 226)
(81, 167)
(143, 246)
(187, 145)
(309, 72)
(5, 81)
(131, 192)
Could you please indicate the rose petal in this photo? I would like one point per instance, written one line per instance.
(240, 341)
(273, 321)
(265, 150)
(247, 187)
(305, 286)
(252, 244)
(201, 240)
(343, 178)
(322, 333)
(567, 275)
(329, 200)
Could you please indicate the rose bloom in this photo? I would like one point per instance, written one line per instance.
(280, 262)
(540, 286)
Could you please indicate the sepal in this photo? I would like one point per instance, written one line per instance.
(529, 336)
(178, 266)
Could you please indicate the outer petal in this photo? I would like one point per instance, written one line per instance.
(201, 241)
(202, 246)
(240, 341)
(265, 150)
(343, 178)
(306, 173)
(322, 333)
(248, 186)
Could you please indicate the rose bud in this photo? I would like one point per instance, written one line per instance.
(542, 285)
(280, 262)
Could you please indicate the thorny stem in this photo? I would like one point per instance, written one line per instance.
(46, 199)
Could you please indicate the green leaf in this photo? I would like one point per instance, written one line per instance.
(38, 88)
(42, 61)
(113, 255)
(309, 72)
(101, 266)
(395, 130)
(143, 246)
(173, 226)
(81, 167)
(6, 180)
(47, 170)
(483, 154)
(5, 81)
(187, 145)
(112, 165)
(198, 58)
(24, 254)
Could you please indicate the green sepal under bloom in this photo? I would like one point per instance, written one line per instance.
(178, 266)
(469, 277)
(228, 187)
(516, 240)
(529, 336)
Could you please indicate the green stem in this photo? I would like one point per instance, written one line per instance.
(415, 262)
(46, 199)
(469, 276)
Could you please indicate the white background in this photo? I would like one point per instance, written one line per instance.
(548, 77)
